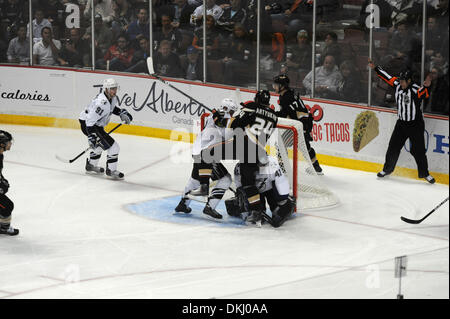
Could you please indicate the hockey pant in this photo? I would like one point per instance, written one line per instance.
(219, 174)
(106, 143)
(402, 131)
(6, 208)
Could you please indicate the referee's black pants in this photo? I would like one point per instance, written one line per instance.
(414, 130)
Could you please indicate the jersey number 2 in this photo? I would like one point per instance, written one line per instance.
(261, 126)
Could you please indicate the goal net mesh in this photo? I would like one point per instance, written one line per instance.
(288, 144)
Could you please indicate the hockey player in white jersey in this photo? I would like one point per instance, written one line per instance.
(273, 187)
(93, 120)
(198, 184)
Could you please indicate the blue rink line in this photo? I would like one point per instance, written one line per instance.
(162, 209)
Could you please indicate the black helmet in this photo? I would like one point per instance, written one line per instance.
(262, 97)
(405, 75)
(282, 80)
(5, 137)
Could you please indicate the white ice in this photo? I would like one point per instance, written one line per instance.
(77, 240)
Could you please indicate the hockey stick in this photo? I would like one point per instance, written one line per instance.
(151, 71)
(79, 155)
(418, 221)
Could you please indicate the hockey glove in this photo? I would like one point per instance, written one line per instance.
(218, 118)
(125, 116)
(92, 140)
(4, 185)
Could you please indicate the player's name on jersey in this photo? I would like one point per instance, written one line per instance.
(266, 114)
(25, 96)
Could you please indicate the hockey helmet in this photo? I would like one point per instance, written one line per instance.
(110, 83)
(262, 97)
(282, 80)
(5, 137)
(228, 106)
(405, 75)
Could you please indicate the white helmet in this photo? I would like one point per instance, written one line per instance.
(110, 83)
(228, 106)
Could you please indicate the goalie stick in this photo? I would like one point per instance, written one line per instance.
(418, 221)
(151, 71)
(79, 155)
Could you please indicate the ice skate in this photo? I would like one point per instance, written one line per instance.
(317, 168)
(382, 174)
(430, 179)
(211, 212)
(91, 169)
(114, 174)
(254, 219)
(9, 231)
(182, 207)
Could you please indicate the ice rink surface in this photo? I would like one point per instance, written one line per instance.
(79, 239)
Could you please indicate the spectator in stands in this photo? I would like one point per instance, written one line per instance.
(211, 9)
(193, 65)
(438, 100)
(166, 62)
(75, 51)
(103, 7)
(299, 55)
(19, 47)
(139, 61)
(266, 21)
(434, 39)
(39, 22)
(231, 15)
(139, 29)
(168, 32)
(181, 12)
(119, 55)
(13, 13)
(212, 38)
(349, 88)
(239, 57)
(406, 11)
(46, 51)
(332, 47)
(405, 45)
(327, 78)
(122, 16)
(54, 12)
(291, 13)
(103, 38)
(442, 13)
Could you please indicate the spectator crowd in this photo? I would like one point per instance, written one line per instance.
(61, 36)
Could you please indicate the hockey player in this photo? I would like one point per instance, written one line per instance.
(198, 184)
(273, 187)
(252, 128)
(292, 107)
(6, 205)
(93, 119)
(410, 123)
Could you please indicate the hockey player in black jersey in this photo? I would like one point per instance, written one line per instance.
(6, 205)
(252, 128)
(292, 107)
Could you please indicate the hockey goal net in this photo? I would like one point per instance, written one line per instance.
(287, 144)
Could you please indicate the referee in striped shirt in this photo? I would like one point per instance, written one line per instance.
(410, 123)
